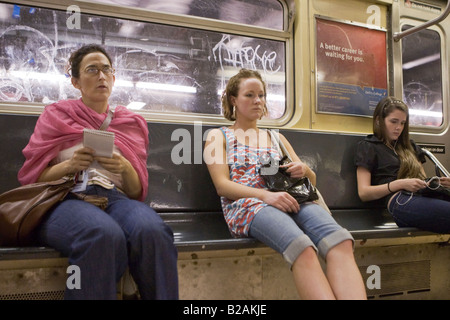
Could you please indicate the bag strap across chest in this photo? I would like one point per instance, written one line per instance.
(107, 120)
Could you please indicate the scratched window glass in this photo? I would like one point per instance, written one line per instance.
(422, 77)
(261, 13)
(159, 68)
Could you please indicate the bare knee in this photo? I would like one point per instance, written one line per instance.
(344, 248)
(307, 257)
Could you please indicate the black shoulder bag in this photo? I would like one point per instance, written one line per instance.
(300, 188)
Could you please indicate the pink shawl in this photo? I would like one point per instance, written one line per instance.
(60, 126)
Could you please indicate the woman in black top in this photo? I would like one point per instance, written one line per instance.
(389, 167)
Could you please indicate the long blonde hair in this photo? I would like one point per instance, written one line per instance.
(410, 166)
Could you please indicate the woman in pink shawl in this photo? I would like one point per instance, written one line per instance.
(127, 233)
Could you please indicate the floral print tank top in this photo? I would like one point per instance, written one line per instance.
(244, 164)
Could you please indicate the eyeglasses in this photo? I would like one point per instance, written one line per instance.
(92, 70)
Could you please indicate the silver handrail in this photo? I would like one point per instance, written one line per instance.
(399, 35)
(436, 162)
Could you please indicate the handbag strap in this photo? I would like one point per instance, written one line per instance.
(280, 145)
(107, 120)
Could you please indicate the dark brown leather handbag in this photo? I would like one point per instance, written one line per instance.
(22, 209)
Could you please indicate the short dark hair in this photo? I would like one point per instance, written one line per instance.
(77, 56)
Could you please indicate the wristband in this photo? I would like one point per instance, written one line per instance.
(389, 188)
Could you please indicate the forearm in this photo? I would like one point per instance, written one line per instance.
(56, 172)
(311, 175)
(306, 169)
(234, 191)
(370, 193)
(131, 184)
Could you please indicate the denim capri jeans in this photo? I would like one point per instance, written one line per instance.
(290, 234)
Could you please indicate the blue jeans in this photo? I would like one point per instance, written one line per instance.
(103, 243)
(290, 234)
(416, 211)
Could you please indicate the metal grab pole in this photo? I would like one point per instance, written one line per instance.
(399, 35)
(437, 163)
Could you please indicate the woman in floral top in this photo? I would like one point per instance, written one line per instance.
(298, 232)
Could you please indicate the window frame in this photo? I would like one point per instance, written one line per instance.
(192, 22)
(444, 76)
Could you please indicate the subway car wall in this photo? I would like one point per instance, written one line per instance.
(326, 64)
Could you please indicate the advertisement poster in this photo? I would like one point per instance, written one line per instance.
(351, 68)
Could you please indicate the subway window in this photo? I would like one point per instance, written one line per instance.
(161, 68)
(261, 13)
(422, 77)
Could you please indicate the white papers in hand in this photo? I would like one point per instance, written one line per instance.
(101, 141)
